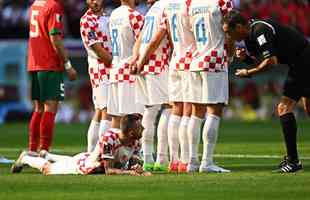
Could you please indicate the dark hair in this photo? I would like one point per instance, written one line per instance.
(233, 18)
(130, 122)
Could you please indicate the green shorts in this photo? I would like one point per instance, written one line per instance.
(47, 85)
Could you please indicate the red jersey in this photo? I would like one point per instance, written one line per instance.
(45, 20)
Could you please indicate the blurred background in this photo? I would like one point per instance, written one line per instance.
(251, 99)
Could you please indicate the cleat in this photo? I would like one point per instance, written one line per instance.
(18, 166)
(173, 166)
(160, 167)
(212, 169)
(192, 167)
(148, 167)
(289, 167)
(182, 167)
(283, 162)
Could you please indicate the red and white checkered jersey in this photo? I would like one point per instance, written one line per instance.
(175, 20)
(94, 29)
(125, 27)
(108, 147)
(206, 24)
(159, 60)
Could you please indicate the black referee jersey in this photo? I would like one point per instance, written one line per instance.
(268, 38)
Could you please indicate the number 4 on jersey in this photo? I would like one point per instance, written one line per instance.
(201, 34)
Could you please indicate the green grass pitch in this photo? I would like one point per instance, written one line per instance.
(250, 150)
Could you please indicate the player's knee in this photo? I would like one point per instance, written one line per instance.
(283, 109)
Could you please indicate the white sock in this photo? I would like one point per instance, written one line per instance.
(162, 137)
(34, 162)
(92, 135)
(148, 122)
(104, 126)
(210, 133)
(173, 137)
(184, 146)
(193, 132)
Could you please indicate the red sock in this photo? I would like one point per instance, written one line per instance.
(34, 131)
(46, 130)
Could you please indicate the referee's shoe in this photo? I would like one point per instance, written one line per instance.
(287, 166)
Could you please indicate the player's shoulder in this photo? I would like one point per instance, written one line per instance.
(262, 26)
(88, 18)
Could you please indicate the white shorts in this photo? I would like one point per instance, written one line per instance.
(121, 99)
(176, 85)
(65, 165)
(207, 88)
(152, 89)
(100, 96)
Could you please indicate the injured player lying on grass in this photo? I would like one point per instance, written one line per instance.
(113, 154)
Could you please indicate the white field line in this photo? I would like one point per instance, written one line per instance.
(215, 155)
(254, 156)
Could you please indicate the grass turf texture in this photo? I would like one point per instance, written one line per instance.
(251, 177)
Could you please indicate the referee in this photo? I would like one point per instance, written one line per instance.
(272, 44)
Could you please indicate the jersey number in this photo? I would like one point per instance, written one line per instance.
(149, 27)
(34, 22)
(174, 28)
(201, 34)
(115, 48)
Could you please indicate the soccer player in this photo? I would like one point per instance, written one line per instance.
(175, 23)
(208, 80)
(272, 44)
(95, 35)
(47, 61)
(111, 155)
(152, 90)
(125, 26)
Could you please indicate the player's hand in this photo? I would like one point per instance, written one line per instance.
(72, 74)
(146, 174)
(133, 68)
(306, 104)
(242, 73)
(241, 53)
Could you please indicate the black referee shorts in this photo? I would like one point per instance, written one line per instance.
(297, 83)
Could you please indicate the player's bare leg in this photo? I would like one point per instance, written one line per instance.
(34, 127)
(173, 135)
(306, 104)
(210, 134)
(183, 137)
(193, 131)
(47, 124)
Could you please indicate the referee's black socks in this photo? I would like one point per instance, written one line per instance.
(289, 129)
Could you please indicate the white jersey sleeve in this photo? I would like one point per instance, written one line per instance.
(206, 24)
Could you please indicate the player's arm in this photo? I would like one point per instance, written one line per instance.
(109, 170)
(55, 28)
(265, 39)
(58, 45)
(151, 47)
(135, 56)
(102, 53)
